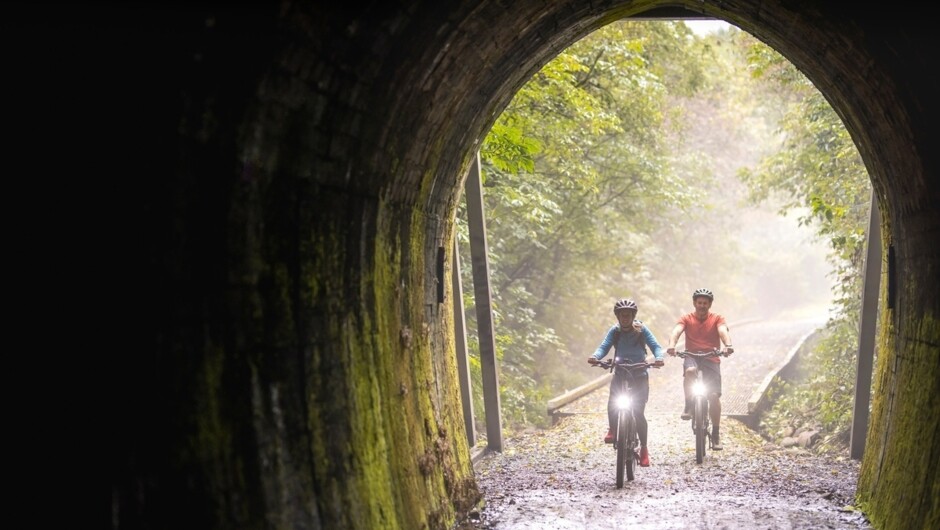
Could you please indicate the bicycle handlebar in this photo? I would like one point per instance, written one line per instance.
(609, 364)
(701, 354)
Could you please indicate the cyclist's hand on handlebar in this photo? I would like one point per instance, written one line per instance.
(728, 351)
(592, 360)
(671, 351)
(658, 363)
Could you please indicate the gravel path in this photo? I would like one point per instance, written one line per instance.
(563, 477)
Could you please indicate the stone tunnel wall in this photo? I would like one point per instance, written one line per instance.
(290, 172)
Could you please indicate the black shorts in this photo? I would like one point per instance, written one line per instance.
(711, 372)
(640, 391)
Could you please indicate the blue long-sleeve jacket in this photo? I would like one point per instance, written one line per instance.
(629, 344)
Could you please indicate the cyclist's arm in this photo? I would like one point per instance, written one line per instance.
(674, 338)
(606, 344)
(654, 345)
(725, 335)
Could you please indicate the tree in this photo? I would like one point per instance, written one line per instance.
(819, 170)
(577, 169)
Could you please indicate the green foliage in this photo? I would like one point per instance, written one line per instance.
(613, 172)
(821, 398)
(575, 169)
(819, 171)
(509, 150)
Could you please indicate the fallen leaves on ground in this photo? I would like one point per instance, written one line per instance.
(563, 477)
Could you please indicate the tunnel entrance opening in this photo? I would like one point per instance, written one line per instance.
(788, 284)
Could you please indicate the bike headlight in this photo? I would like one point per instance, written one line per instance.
(623, 402)
(698, 388)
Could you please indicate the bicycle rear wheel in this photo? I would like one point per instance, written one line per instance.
(698, 425)
(622, 448)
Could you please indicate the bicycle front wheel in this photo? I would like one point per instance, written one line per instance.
(698, 425)
(622, 447)
(631, 446)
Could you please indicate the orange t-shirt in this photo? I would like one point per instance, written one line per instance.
(702, 335)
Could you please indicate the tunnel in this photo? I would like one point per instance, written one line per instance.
(283, 176)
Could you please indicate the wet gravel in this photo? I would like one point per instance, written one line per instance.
(564, 478)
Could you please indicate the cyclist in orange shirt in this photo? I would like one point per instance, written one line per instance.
(704, 331)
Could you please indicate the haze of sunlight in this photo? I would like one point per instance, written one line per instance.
(707, 27)
(606, 179)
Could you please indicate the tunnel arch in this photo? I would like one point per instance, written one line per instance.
(839, 72)
(732, 288)
(295, 170)
(846, 63)
(842, 74)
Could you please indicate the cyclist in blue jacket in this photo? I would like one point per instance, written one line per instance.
(629, 338)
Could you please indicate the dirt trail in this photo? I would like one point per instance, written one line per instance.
(563, 477)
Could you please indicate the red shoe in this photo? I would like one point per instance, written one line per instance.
(609, 439)
(644, 457)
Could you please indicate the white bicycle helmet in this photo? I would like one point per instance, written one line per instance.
(625, 303)
(703, 292)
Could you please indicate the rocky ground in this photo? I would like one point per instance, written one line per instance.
(564, 478)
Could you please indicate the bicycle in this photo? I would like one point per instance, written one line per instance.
(700, 422)
(626, 438)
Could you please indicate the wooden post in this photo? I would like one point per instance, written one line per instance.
(482, 300)
(866, 339)
(463, 363)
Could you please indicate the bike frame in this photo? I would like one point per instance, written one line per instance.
(626, 438)
(701, 427)
(700, 423)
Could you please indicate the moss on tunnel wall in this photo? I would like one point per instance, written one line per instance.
(899, 487)
(330, 399)
(213, 443)
(383, 443)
